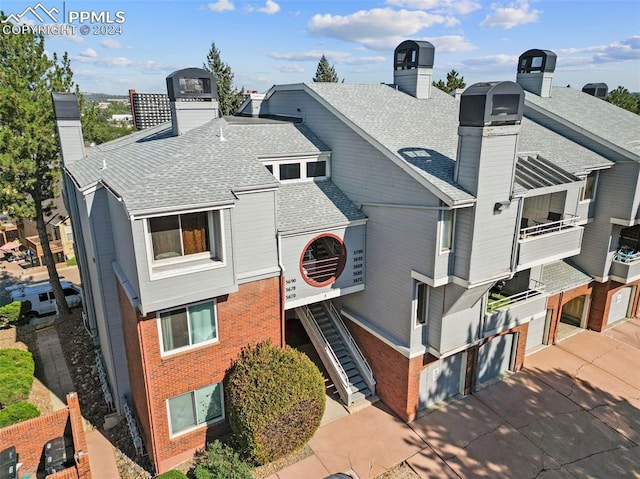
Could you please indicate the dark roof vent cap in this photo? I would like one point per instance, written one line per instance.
(195, 84)
(412, 54)
(537, 61)
(491, 104)
(65, 106)
(599, 90)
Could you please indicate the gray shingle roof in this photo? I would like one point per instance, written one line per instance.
(313, 205)
(424, 133)
(614, 125)
(561, 276)
(154, 170)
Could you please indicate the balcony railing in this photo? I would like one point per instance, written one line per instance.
(550, 227)
(499, 300)
(321, 269)
(626, 256)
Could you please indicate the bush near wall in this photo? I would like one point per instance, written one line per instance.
(220, 461)
(16, 375)
(275, 400)
(17, 412)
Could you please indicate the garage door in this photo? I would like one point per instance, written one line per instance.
(619, 306)
(441, 380)
(535, 335)
(494, 358)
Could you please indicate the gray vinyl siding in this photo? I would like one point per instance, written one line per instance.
(514, 315)
(616, 197)
(192, 286)
(460, 329)
(387, 299)
(96, 226)
(124, 253)
(361, 171)
(71, 140)
(537, 250)
(254, 227)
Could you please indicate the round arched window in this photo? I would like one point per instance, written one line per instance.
(323, 260)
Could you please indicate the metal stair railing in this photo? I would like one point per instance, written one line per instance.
(363, 364)
(328, 350)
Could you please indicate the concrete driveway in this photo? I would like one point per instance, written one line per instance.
(573, 413)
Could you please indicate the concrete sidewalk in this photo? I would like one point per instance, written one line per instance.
(574, 412)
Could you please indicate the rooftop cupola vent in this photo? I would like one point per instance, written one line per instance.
(65, 106)
(535, 71)
(413, 54)
(537, 61)
(491, 104)
(193, 99)
(192, 84)
(599, 90)
(413, 68)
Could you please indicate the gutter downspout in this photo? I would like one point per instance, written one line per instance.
(282, 290)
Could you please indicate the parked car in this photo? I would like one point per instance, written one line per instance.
(40, 295)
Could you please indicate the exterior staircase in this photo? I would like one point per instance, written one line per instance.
(347, 367)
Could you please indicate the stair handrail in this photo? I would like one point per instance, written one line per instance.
(346, 334)
(344, 378)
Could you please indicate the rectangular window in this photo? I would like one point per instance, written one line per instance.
(589, 189)
(422, 303)
(185, 327)
(289, 171)
(316, 168)
(186, 234)
(194, 408)
(68, 232)
(446, 232)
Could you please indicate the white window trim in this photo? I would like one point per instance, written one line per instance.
(441, 231)
(197, 426)
(414, 304)
(595, 187)
(189, 263)
(172, 352)
(275, 165)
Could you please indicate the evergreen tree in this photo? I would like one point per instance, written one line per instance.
(325, 72)
(29, 152)
(622, 98)
(453, 82)
(229, 98)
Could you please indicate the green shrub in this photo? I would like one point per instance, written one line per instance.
(17, 412)
(73, 262)
(274, 401)
(16, 375)
(10, 313)
(173, 474)
(220, 461)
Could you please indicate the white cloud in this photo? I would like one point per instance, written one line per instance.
(340, 58)
(491, 61)
(511, 15)
(627, 49)
(290, 68)
(377, 29)
(451, 44)
(221, 6)
(89, 52)
(462, 7)
(112, 44)
(270, 8)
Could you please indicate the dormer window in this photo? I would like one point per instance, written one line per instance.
(192, 235)
(298, 169)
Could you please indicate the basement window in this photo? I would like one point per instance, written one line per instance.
(190, 410)
(323, 260)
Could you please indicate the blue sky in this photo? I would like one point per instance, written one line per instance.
(280, 41)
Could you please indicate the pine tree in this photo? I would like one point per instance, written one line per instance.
(622, 98)
(453, 82)
(325, 72)
(29, 153)
(229, 98)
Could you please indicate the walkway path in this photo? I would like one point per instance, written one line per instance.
(56, 373)
(573, 413)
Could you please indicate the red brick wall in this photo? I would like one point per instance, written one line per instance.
(30, 437)
(397, 377)
(249, 316)
(601, 301)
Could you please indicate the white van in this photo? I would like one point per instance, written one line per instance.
(40, 295)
